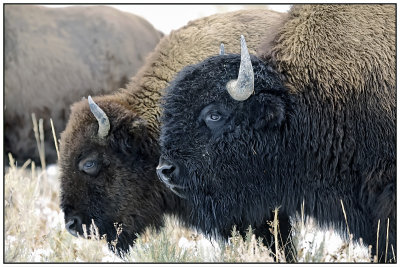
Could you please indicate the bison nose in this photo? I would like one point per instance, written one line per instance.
(73, 225)
(165, 170)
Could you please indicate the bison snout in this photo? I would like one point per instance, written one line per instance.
(73, 225)
(166, 170)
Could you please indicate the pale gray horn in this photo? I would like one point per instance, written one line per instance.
(221, 50)
(243, 87)
(104, 123)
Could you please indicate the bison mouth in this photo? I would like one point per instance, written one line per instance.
(118, 241)
(72, 227)
(175, 188)
(77, 228)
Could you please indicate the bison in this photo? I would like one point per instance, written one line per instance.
(55, 56)
(109, 149)
(313, 123)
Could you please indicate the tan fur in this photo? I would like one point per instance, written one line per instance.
(191, 44)
(55, 56)
(339, 48)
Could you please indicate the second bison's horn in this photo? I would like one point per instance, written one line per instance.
(104, 123)
(243, 87)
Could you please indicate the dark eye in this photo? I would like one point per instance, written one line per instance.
(90, 166)
(214, 120)
(213, 117)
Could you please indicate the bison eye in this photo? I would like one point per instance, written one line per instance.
(213, 117)
(90, 166)
(214, 120)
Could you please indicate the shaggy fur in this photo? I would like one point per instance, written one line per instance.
(126, 189)
(55, 56)
(342, 58)
(338, 49)
(329, 137)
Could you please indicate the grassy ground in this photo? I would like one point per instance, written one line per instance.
(34, 231)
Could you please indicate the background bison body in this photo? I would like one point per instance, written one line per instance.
(56, 56)
(328, 139)
(113, 179)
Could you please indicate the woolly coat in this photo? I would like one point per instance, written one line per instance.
(341, 60)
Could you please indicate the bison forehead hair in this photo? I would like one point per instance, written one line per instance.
(110, 180)
(213, 141)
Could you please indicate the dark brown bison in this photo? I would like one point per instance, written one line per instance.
(237, 141)
(55, 56)
(109, 154)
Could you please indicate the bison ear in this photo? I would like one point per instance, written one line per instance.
(131, 139)
(268, 112)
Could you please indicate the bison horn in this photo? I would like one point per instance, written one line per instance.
(104, 123)
(243, 87)
(221, 50)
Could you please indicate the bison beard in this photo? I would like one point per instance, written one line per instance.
(235, 161)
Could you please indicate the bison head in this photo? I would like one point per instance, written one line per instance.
(108, 158)
(221, 118)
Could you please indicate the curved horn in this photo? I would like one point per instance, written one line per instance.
(104, 123)
(221, 50)
(243, 87)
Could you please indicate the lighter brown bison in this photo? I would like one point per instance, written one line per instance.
(55, 56)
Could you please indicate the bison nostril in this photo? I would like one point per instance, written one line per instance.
(164, 172)
(73, 225)
(168, 170)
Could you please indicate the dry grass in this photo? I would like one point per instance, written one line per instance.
(34, 232)
(34, 224)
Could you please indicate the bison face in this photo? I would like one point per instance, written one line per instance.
(110, 178)
(212, 143)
